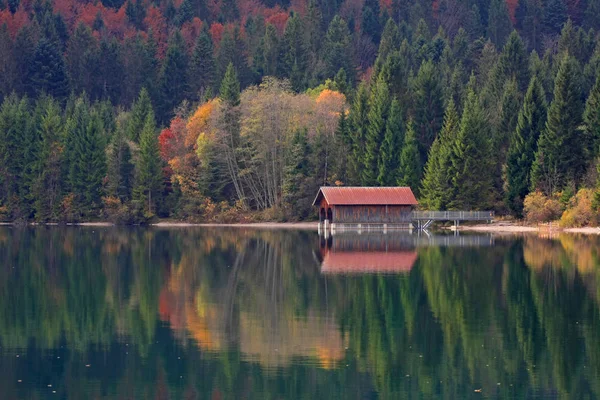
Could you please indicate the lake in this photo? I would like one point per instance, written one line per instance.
(226, 313)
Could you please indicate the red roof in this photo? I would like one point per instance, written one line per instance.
(365, 196)
(356, 262)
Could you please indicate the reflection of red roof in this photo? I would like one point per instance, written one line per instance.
(391, 196)
(355, 262)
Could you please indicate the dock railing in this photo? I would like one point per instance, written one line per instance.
(452, 215)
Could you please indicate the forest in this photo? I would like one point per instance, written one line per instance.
(238, 110)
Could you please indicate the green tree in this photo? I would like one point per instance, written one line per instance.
(47, 73)
(358, 133)
(148, 170)
(389, 162)
(173, 81)
(560, 159)
(139, 113)
(471, 159)
(120, 166)
(591, 120)
(410, 161)
(337, 49)
(293, 61)
(379, 105)
(499, 24)
(428, 106)
(523, 145)
(555, 15)
(436, 188)
(202, 68)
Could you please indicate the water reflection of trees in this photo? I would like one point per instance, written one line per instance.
(246, 313)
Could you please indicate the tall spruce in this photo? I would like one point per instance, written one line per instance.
(47, 72)
(411, 166)
(202, 68)
(379, 105)
(358, 134)
(428, 106)
(121, 169)
(591, 120)
(560, 158)
(139, 112)
(337, 51)
(294, 55)
(436, 188)
(389, 162)
(173, 81)
(148, 172)
(523, 145)
(471, 159)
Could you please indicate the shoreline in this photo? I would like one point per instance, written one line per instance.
(500, 227)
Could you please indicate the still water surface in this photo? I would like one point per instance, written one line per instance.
(194, 313)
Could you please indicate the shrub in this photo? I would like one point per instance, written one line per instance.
(539, 208)
(580, 211)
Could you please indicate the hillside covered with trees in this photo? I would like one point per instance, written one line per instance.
(227, 110)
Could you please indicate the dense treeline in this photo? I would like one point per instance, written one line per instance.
(472, 104)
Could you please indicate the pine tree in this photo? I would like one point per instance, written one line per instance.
(202, 68)
(358, 134)
(8, 70)
(337, 51)
(148, 172)
(514, 63)
(390, 41)
(428, 106)
(591, 122)
(379, 105)
(297, 176)
(437, 190)
(86, 159)
(410, 161)
(293, 61)
(370, 24)
(270, 52)
(47, 72)
(560, 157)
(120, 167)
(523, 145)
(173, 81)
(81, 62)
(389, 162)
(555, 16)
(470, 159)
(139, 113)
(499, 24)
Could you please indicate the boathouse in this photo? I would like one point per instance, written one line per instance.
(365, 206)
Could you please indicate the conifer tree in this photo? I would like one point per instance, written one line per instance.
(560, 158)
(139, 112)
(294, 58)
(389, 162)
(173, 82)
(470, 159)
(410, 161)
(555, 15)
(337, 51)
(513, 62)
(437, 189)
(390, 41)
(148, 172)
(591, 120)
(87, 163)
(379, 105)
(120, 166)
(47, 73)
(358, 134)
(499, 24)
(202, 68)
(523, 145)
(428, 106)
(297, 176)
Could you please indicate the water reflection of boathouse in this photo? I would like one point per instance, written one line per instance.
(371, 253)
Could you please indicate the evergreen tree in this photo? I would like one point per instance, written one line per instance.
(8, 70)
(370, 24)
(410, 161)
(139, 113)
(86, 159)
(591, 122)
(48, 184)
(202, 68)
(389, 162)
(379, 105)
(499, 24)
(173, 82)
(523, 145)
(437, 190)
(148, 172)
(270, 52)
(81, 60)
(428, 106)
(471, 159)
(560, 157)
(555, 15)
(337, 51)
(511, 103)
(590, 17)
(358, 134)
(120, 166)
(293, 61)
(47, 72)
(514, 63)
(390, 41)
(297, 176)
